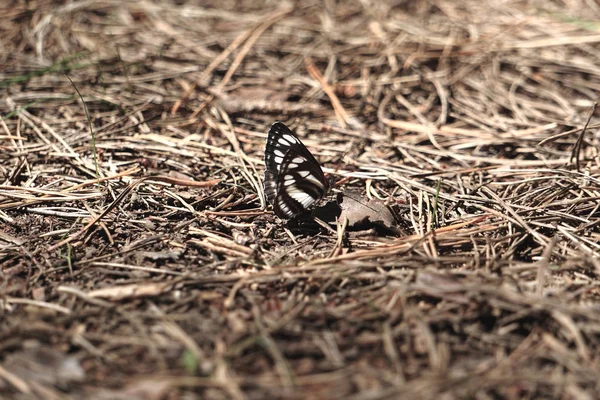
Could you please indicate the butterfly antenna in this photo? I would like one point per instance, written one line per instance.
(331, 180)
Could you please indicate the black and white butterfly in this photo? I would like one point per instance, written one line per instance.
(294, 180)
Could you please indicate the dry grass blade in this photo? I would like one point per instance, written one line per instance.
(340, 112)
(577, 147)
(130, 291)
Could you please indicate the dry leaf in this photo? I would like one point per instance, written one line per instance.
(361, 213)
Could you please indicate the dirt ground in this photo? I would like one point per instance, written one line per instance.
(139, 259)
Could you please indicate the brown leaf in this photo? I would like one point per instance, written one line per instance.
(364, 214)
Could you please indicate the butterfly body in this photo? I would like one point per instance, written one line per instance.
(294, 180)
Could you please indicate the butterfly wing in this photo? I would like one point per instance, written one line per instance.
(294, 180)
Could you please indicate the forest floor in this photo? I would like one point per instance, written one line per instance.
(139, 259)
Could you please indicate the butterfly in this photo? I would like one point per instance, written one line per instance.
(294, 180)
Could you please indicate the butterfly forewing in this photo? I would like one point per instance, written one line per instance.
(294, 181)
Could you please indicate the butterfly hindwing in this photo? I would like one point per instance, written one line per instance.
(294, 180)
(297, 188)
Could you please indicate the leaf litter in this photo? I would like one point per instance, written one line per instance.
(156, 272)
